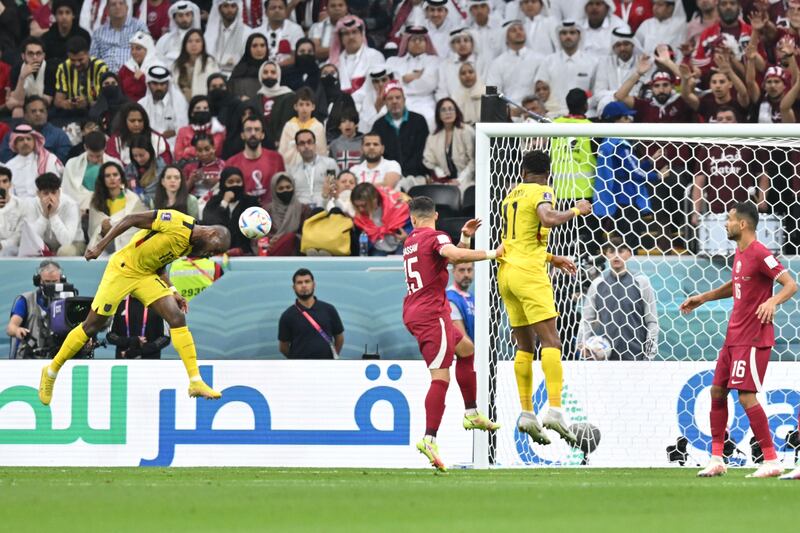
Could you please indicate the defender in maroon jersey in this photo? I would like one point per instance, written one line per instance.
(743, 359)
(426, 314)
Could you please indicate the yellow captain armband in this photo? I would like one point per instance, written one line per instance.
(576, 211)
(548, 258)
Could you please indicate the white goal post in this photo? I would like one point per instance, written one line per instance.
(677, 244)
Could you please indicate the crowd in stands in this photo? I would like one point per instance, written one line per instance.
(341, 108)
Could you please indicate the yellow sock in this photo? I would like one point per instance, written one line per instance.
(72, 345)
(553, 375)
(523, 370)
(184, 344)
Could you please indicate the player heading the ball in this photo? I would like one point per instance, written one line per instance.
(524, 283)
(744, 356)
(426, 314)
(139, 269)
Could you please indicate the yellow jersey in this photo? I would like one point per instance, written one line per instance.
(524, 237)
(149, 250)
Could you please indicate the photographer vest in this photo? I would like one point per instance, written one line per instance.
(35, 325)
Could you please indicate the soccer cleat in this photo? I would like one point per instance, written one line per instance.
(794, 474)
(768, 469)
(715, 467)
(431, 450)
(528, 423)
(198, 389)
(478, 421)
(555, 420)
(46, 384)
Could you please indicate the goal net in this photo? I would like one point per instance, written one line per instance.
(636, 371)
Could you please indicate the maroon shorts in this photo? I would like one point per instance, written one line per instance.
(741, 367)
(437, 339)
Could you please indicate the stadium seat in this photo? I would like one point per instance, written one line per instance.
(446, 197)
(452, 226)
(468, 202)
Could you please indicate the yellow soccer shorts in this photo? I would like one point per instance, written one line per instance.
(528, 297)
(116, 284)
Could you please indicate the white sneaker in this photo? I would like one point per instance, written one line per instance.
(528, 423)
(715, 467)
(554, 419)
(794, 474)
(768, 469)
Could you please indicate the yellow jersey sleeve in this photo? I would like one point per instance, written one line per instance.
(168, 238)
(169, 220)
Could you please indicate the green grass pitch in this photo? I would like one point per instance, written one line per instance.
(354, 500)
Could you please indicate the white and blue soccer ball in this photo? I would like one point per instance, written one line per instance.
(255, 223)
(597, 348)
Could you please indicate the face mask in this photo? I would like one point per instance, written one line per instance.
(305, 60)
(285, 196)
(238, 191)
(270, 83)
(201, 117)
(109, 91)
(329, 81)
(216, 94)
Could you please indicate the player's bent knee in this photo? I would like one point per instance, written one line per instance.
(94, 323)
(442, 374)
(465, 348)
(747, 399)
(175, 319)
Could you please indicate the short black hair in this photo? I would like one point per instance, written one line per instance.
(31, 40)
(31, 99)
(577, 101)
(95, 141)
(726, 109)
(202, 136)
(372, 134)
(349, 113)
(5, 171)
(536, 162)
(302, 272)
(296, 135)
(748, 211)
(422, 206)
(77, 44)
(48, 182)
(305, 94)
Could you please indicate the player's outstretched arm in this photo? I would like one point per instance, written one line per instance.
(469, 229)
(693, 302)
(551, 218)
(135, 220)
(456, 255)
(766, 311)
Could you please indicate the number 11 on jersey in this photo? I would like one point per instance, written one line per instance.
(510, 222)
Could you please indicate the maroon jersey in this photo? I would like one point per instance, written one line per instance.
(709, 107)
(426, 275)
(754, 272)
(730, 172)
(675, 110)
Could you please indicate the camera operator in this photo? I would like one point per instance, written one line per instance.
(27, 313)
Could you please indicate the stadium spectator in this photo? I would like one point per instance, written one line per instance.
(234, 143)
(383, 216)
(172, 193)
(164, 103)
(406, 13)
(345, 149)
(86, 127)
(534, 105)
(227, 205)
(136, 332)
(155, 13)
(288, 214)
(369, 100)
(141, 174)
(768, 102)
(573, 159)
(375, 169)
(305, 71)
(245, 80)
(730, 28)
(338, 193)
(183, 16)
(417, 68)
(132, 120)
(514, 71)
(78, 79)
(110, 101)
(5, 85)
(615, 68)
(403, 134)
(31, 161)
(202, 173)
(485, 27)
(462, 301)
(331, 102)
(634, 12)
(311, 171)
(80, 173)
(621, 307)
(256, 162)
(438, 23)
(597, 23)
(468, 94)
(226, 33)
(66, 26)
(200, 123)
(193, 66)
(541, 29)
(222, 103)
(351, 54)
(309, 328)
(321, 33)
(109, 204)
(726, 89)
(10, 215)
(51, 222)
(663, 105)
(461, 50)
(449, 152)
(25, 324)
(111, 41)
(35, 114)
(304, 108)
(133, 72)
(569, 66)
(282, 32)
(705, 16)
(35, 76)
(277, 101)
(667, 26)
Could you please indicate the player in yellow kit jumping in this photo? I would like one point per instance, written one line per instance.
(139, 269)
(524, 283)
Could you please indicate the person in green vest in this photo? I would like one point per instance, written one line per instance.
(191, 275)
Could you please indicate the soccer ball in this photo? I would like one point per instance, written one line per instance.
(598, 348)
(255, 223)
(588, 436)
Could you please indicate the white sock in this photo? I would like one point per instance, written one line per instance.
(471, 412)
(556, 410)
(430, 438)
(195, 379)
(529, 414)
